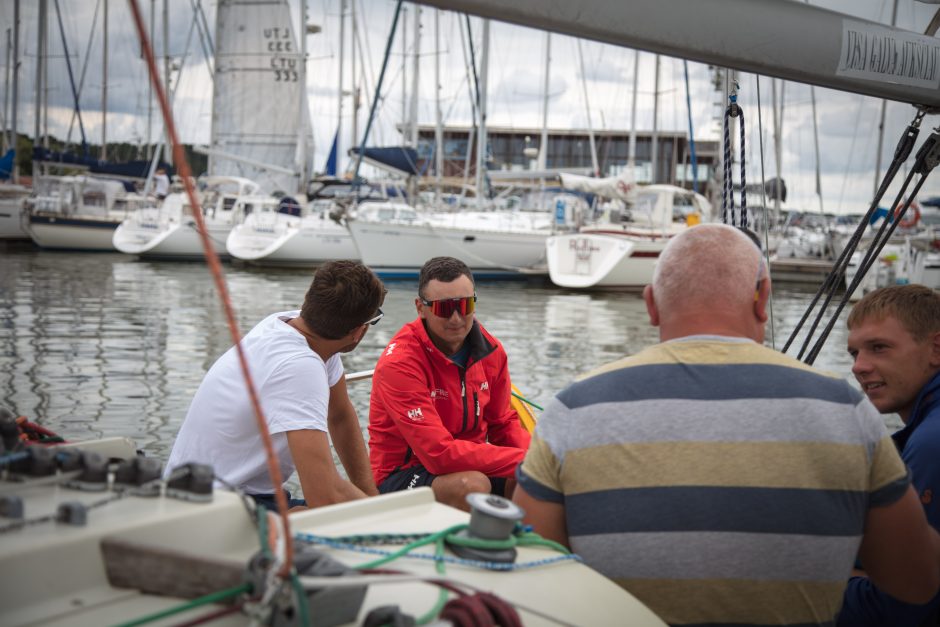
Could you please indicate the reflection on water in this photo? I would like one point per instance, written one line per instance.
(103, 345)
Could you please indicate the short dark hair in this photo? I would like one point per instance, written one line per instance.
(444, 269)
(916, 307)
(342, 296)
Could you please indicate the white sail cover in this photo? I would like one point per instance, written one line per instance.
(621, 187)
(257, 95)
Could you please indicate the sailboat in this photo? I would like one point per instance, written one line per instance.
(259, 131)
(621, 253)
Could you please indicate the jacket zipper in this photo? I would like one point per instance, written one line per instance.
(463, 398)
(476, 411)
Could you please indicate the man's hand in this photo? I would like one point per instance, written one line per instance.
(343, 424)
(322, 485)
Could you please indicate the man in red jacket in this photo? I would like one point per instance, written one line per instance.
(440, 412)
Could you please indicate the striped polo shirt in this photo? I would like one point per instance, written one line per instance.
(717, 480)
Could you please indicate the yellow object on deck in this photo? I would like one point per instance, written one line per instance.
(526, 416)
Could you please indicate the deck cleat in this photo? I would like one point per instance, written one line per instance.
(191, 482)
(140, 476)
(93, 476)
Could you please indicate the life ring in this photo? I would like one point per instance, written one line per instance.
(910, 220)
(526, 415)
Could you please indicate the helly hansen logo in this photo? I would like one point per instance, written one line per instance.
(485, 386)
(415, 414)
(413, 482)
(391, 347)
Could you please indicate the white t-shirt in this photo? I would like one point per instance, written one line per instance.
(161, 184)
(293, 385)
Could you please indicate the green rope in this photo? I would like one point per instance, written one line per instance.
(408, 548)
(208, 599)
(442, 593)
(527, 401)
(302, 608)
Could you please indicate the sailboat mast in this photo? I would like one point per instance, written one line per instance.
(303, 116)
(543, 140)
(15, 175)
(339, 104)
(6, 92)
(631, 159)
(353, 79)
(415, 65)
(40, 67)
(438, 118)
(654, 138)
(167, 144)
(881, 122)
(595, 168)
(481, 137)
(104, 83)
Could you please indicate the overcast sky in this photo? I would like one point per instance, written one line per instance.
(847, 123)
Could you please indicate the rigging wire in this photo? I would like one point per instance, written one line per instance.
(765, 214)
(926, 160)
(215, 267)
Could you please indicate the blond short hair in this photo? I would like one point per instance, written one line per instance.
(916, 307)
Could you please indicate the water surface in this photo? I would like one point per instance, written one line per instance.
(104, 345)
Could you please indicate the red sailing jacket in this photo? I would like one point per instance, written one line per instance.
(427, 410)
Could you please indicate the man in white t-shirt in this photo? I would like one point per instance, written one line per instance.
(294, 359)
(161, 184)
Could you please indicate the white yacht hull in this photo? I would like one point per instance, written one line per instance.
(68, 574)
(598, 260)
(285, 240)
(13, 212)
(401, 249)
(73, 232)
(169, 241)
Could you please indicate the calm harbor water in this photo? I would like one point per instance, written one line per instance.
(96, 345)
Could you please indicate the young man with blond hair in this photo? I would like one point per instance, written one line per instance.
(894, 340)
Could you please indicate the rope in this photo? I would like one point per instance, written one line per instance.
(727, 191)
(185, 173)
(520, 538)
(208, 599)
(829, 287)
(527, 401)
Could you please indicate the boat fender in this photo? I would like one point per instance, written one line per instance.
(11, 506)
(72, 513)
(191, 482)
(94, 474)
(140, 475)
(388, 616)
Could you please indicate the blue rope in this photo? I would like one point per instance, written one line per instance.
(13, 457)
(500, 566)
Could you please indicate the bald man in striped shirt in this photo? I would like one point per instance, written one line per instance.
(717, 480)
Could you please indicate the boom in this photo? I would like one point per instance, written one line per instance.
(781, 38)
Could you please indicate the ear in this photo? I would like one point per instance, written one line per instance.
(761, 297)
(651, 305)
(418, 308)
(935, 350)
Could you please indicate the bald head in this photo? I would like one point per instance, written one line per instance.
(706, 276)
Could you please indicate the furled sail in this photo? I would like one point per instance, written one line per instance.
(258, 131)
